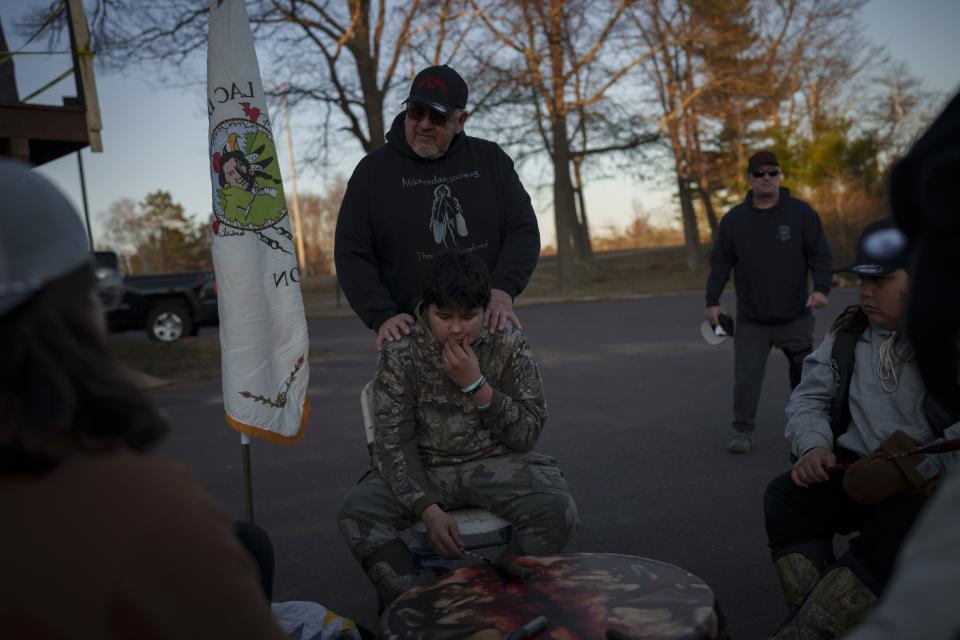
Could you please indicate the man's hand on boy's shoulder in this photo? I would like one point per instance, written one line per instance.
(394, 328)
(499, 310)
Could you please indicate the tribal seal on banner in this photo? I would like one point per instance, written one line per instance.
(263, 330)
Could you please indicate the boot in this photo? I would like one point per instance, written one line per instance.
(389, 584)
(836, 604)
(798, 575)
(392, 570)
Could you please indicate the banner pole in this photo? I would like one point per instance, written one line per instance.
(297, 229)
(83, 193)
(247, 477)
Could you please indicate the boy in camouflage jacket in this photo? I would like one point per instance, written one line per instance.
(458, 411)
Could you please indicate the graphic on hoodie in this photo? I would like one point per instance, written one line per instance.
(446, 218)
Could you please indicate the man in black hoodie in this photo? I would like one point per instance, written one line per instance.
(432, 187)
(771, 241)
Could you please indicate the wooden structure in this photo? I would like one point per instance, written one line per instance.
(41, 133)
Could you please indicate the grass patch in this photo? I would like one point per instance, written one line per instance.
(620, 274)
(190, 360)
(320, 297)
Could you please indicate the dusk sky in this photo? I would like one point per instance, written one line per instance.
(155, 136)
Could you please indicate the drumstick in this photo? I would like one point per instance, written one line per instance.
(530, 629)
(475, 556)
(503, 566)
(942, 446)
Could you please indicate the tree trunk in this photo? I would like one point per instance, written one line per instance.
(740, 162)
(564, 208)
(359, 45)
(691, 233)
(703, 180)
(584, 247)
(707, 200)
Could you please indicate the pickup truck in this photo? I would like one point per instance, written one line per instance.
(167, 306)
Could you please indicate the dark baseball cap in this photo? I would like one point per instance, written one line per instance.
(440, 88)
(882, 248)
(41, 236)
(761, 158)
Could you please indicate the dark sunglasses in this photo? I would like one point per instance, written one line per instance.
(770, 173)
(416, 113)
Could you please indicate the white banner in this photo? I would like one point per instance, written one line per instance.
(263, 331)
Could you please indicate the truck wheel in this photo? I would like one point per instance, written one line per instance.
(168, 322)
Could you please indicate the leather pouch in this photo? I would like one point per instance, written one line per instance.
(873, 479)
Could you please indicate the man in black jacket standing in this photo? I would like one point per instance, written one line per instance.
(430, 188)
(771, 241)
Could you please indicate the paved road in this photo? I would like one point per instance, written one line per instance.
(639, 407)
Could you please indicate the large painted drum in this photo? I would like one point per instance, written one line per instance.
(581, 595)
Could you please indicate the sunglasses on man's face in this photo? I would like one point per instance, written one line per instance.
(770, 173)
(416, 113)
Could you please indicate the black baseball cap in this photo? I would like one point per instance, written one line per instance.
(761, 158)
(440, 88)
(882, 248)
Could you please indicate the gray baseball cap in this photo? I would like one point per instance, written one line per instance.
(41, 236)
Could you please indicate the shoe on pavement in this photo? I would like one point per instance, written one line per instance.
(741, 443)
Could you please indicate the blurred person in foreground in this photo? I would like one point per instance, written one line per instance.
(100, 539)
(458, 411)
(860, 400)
(921, 599)
(772, 242)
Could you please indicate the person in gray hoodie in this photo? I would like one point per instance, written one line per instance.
(886, 409)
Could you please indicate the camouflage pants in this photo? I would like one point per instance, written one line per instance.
(527, 490)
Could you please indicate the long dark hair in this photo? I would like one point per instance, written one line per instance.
(60, 390)
(853, 320)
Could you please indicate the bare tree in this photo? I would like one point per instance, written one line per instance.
(901, 109)
(155, 235)
(345, 56)
(319, 212)
(674, 33)
(124, 234)
(556, 64)
(727, 72)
